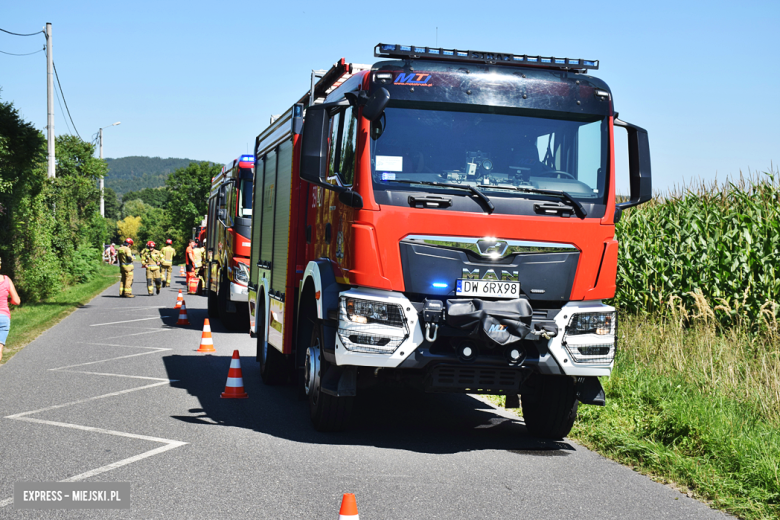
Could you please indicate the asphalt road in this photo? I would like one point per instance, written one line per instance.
(117, 393)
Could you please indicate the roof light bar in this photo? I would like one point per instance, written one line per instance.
(385, 50)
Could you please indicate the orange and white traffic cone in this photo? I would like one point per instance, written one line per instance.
(181, 270)
(179, 300)
(183, 315)
(234, 388)
(206, 342)
(348, 507)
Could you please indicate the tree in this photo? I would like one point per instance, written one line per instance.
(135, 208)
(188, 194)
(128, 228)
(156, 197)
(26, 220)
(153, 226)
(110, 203)
(49, 228)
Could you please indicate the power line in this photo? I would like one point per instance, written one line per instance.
(17, 34)
(61, 110)
(64, 100)
(28, 54)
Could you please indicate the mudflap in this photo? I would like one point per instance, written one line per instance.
(340, 381)
(590, 391)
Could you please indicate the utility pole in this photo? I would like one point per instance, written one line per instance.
(50, 99)
(102, 180)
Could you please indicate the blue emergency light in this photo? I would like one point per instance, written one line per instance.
(385, 50)
(246, 161)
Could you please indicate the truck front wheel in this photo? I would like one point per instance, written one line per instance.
(549, 405)
(232, 320)
(328, 413)
(213, 302)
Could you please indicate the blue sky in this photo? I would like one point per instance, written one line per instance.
(201, 79)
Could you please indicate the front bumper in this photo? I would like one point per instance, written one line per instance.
(238, 293)
(416, 353)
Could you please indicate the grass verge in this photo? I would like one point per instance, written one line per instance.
(693, 407)
(30, 320)
(697, 407)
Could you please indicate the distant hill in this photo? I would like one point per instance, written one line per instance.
(136, 172)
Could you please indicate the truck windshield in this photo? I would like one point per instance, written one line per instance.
(493, 150)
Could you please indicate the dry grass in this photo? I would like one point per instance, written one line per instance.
(732, 363)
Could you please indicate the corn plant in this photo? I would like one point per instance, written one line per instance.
(708, 252)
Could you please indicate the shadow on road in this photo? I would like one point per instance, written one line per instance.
(383, 417)
(196, 317)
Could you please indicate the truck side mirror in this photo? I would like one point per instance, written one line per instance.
(351, 198)
(376, 104)
(638, 166)
(314, 147)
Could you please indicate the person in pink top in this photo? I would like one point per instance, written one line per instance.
(7, 293)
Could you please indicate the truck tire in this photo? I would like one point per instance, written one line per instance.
(231, 320)
(328, 413)
(273, 365)
(213, 302)
(549, 405)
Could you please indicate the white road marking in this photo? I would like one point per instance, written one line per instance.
(112, 359)
(124, 462)
(125, 321)
(133, 308)
(169, 444)
(140, 333)
(115, 345)
(101, 430)
(116, 375)
(88, 399)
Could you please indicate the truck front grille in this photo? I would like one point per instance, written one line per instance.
(473, 380)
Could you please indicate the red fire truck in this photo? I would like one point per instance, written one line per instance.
(443, 219)
(227, 242)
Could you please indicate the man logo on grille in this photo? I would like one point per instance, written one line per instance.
(492, 247)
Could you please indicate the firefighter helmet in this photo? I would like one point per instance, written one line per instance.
(129, 241)
(169, 241)
(150, 244)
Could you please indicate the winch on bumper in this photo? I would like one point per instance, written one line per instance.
(473, 345)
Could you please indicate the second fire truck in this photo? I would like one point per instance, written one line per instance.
(227, 242)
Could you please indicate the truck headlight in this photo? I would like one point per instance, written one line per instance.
(241, 274)
(371, 326)
(590, 337)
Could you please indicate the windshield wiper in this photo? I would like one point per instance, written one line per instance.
(484, 198)
(578, 209)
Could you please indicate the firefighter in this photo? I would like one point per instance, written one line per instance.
(189, 260)
(151, 259)
(168, 253)
(198, 254)
(125, 258)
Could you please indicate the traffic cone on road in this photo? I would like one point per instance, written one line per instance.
(181, 270)
(179, 300)
(183, 315)
(348, 507)
(206, 342)
(234, 388)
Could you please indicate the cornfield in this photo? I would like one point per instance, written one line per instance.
(706, 252)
